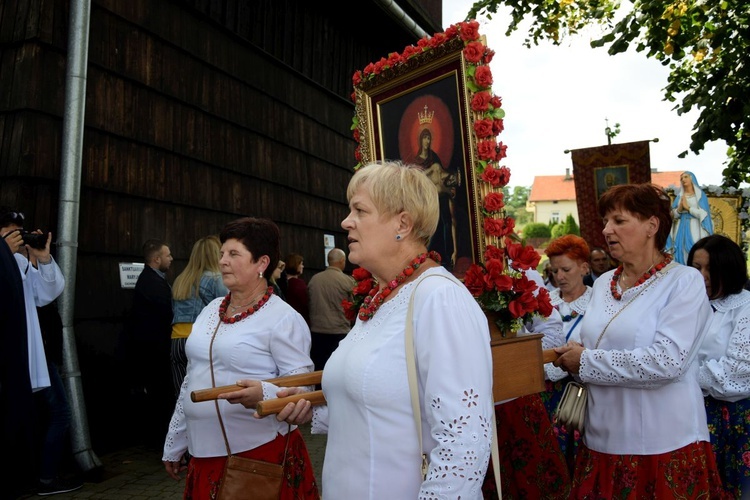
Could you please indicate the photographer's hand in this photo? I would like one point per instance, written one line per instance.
(14, 240)
(42, 256)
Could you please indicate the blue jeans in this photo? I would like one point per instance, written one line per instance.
(55, 400)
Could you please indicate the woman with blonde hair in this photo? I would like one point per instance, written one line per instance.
(194, 289)
(373, 448)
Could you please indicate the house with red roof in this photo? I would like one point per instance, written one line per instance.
(553, 197)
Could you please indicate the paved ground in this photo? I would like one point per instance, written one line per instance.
(137, 473)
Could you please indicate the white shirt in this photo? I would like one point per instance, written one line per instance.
(272, 342)
(644, 396)
(724, 356)
(571, 325)
(40, 287)
(372, 451)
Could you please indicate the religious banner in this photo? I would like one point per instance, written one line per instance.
(597, 169)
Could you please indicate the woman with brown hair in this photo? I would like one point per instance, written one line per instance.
(296, 289)
(645, 430)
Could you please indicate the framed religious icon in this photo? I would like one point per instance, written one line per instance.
(606, 177)
(420, 114)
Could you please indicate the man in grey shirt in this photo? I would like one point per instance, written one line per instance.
(328, 324)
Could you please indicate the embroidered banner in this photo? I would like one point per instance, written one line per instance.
(597, 169)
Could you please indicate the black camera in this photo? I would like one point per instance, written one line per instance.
(34, 240)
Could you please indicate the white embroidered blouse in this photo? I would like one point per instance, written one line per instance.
(644, 396)
(372, 450)
(725, 353)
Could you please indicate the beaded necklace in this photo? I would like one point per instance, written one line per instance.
(376, 297)
(652, 270)
(239, 317)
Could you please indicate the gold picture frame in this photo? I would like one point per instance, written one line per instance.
(427, 99)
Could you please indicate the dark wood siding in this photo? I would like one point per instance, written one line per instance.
(197, 112)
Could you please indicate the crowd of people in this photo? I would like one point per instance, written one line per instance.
(667, 416)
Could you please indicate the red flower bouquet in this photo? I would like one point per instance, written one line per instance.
(500, 285)
(365, 283)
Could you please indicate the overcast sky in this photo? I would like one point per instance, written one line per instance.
(558, 97)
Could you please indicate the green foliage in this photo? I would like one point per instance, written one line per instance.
(515, 205)
(536, 230)
(705, 45)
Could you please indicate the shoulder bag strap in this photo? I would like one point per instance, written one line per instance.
(216, 401)
(411, 371)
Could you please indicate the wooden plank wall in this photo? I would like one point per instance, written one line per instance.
(197, 112)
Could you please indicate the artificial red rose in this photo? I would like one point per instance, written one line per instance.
(523, 257)
(487, 149)
(363, 287)
(380, 65)
(358, 155)
(437, 40)
(474, 52)
(484, 128)
(369, 69)
(411, 51)
(523, 284)
(481, 101)
(353, 96)
(500, 283)
(423, 43)
(394, 58)
(497, 126)
(494, 227)
(544, 304)
(493, 202)
(492, 176)
(469, 30)
(451, 31)
(488, 55)
(357, 78)
(508, 226)
(355, 134)
(501, 149)
(349, 311)
(504, 175)
(474, 280)
(483, 76)
(360, 273)
(525, 303)
(494, 267)
(496, 102)
(493, 252)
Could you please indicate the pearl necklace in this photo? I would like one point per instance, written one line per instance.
(651, 271)
(376, 297)
(250, 311)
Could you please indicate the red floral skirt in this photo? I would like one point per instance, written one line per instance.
(531, 463)
(204, 474)
(689, 472)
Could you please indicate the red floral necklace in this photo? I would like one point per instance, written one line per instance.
(376, 297)
(244, 314)
(652, 270)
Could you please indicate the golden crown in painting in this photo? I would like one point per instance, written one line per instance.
(426, 117)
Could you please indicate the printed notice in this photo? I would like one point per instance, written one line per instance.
(129, 272)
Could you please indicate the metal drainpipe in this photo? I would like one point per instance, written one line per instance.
(403, 18)
(67, 230)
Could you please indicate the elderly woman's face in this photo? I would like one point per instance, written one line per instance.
(568, 273)
(238, 271)
(368, 231)
(627, 235)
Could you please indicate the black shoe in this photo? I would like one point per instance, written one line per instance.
(58, 486)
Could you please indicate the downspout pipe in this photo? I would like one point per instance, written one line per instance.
(402, 17)
(67, 230)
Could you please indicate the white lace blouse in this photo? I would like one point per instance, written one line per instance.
(572, 316)
(644, 396)
(273, 342)
(725, 353)
(372, 451)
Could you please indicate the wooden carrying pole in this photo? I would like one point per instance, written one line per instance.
(274, 406)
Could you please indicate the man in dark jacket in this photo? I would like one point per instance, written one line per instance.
(150, 331)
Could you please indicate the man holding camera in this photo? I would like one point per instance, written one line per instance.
(43, 282)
